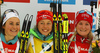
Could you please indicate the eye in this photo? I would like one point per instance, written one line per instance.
(80, 23)
(41, 23)
(17, 23)
(87, 24)
(11, 23)
(48, 23)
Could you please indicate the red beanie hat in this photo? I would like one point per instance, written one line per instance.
(44, 14)
(84, 16)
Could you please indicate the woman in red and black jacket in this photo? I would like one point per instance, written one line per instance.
(80, 41)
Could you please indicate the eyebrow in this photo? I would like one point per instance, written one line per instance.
(12, 21)
(49, 21)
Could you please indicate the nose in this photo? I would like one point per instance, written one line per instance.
(45, 25)
(83, 26)
(14, 26)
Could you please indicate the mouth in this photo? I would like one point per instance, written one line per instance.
(83, 30)
(13, 30)
(44, 30)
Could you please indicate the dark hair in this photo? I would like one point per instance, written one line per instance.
(1, 29)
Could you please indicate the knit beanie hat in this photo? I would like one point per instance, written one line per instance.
(84, 15)
(44, 14)
(8, 14)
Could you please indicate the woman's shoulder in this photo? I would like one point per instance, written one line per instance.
(70, 35)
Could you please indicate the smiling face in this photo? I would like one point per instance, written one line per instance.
(83, 28)
(12, 26)
(45, 26)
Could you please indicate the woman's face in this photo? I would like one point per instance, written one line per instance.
(12, 26)
(83, 28)
(45, 26)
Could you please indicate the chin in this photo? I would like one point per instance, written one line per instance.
(85, 36)
(14, 34)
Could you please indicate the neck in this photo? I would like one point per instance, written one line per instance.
(83, 36)
(8, 38)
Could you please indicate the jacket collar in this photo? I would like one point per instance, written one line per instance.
(9, 42)
(81, 39)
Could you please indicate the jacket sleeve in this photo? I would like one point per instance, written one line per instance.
(30, 49)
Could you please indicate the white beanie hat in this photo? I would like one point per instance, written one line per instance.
(9, 14)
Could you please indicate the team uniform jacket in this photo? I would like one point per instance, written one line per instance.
(40, 45)
(79, 45)
(8, 48)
